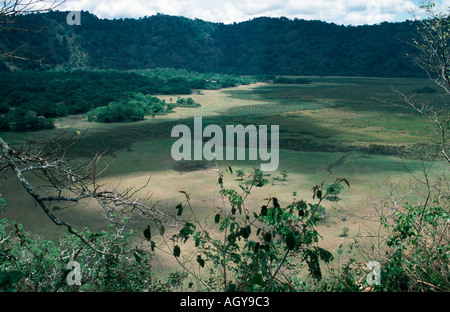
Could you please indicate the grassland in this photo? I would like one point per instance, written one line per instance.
(333, 127)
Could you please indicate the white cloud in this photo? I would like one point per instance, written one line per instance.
(354, 12)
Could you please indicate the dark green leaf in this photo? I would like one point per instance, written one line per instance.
(319, 194)
(245, 232)
(217, 218)
(180, 209)
(231, 288)
(291, 240)
(9, 279)
(148, 233)
(324, 255)
(267, 237)
(176, 251)
(275, 202)
(186, 231)
(312, 260)
(200, 261)
(257, 279)
(264, 210)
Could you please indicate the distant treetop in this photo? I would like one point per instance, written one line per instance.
(263, 45)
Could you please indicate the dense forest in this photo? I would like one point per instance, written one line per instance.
(260, 46)
(105, 96)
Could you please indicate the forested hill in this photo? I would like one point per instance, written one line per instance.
(259, 46)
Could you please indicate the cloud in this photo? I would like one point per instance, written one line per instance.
(355, 12)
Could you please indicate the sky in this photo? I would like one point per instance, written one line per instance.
(342, 12)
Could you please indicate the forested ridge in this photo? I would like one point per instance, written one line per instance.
(160, 225)
(260, 46)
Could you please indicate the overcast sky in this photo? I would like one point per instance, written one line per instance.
(347, 12)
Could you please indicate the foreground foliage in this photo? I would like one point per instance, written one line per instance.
(257, 249)
(33, 264)
(272, 248)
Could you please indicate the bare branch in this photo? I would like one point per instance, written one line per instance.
(63, 183)
(11, 12)
(431, 113)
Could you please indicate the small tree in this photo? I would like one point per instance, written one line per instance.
(334, 190)
(256, 248)
(433, 46)
(240, 174)
(284, 174)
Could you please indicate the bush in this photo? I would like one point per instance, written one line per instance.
(132, 109)
(425, 90)
(116, 112)
(189, 102)
(31, 122)
(4, 124)
(34, 264)
(4, 108)
(256, 246)
(292, 80)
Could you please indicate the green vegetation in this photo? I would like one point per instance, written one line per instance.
(28, 104)
(261, 46)
(337, 115)
(196, 80)
(133, 109)
(189, 102)
(31, 122)
(292, 80)
(378, 147)
(37, 265)
(334, 191)
(257, 246)
(256, 239)
(136, 108)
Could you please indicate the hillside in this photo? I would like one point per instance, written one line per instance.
(259, 46)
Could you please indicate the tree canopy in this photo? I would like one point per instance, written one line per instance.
(259, 46)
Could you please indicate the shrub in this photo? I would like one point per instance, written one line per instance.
(189, 102)
(4, 124)
(34, 264)
(256, 246)
(30, 122)
(292, 80)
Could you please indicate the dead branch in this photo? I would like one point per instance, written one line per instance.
(62, 182)
(438, 117)
(11, 12)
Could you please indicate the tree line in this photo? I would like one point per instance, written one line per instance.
(32, 100)
(258, 46)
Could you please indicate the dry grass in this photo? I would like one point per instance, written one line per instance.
(148, 155)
